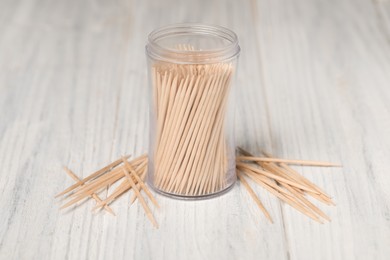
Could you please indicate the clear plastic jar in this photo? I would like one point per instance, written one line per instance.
(191, 140)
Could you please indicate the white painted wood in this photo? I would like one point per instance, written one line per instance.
(314, 81)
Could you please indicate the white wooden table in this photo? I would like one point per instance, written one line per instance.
(314, 83)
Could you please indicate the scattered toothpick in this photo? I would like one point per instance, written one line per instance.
(94, 195)
(273, 174)
(285, 183)
(92, 176)
(294, 162)
(132, 172)
(254, 197)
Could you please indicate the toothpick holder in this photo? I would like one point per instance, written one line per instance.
(191, 69)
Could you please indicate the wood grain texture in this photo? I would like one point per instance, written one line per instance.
(313, 83)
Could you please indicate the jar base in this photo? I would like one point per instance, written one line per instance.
(197, 197)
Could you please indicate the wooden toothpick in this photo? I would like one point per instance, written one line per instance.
(288, 199)
(140, 182)
(92, 176)
(134, 197)
(274, 176)
(288, 161)
(143, 203)
(93, 195)
(254, 197)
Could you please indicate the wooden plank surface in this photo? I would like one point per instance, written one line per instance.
(313, 83)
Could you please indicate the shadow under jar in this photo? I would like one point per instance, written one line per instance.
(191, 140)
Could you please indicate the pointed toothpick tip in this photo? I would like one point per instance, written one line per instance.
(109, 210)
(64, 206)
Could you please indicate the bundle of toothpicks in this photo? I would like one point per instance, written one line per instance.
(273, 174)
(276, 176)
(130, 174)
(191, 155)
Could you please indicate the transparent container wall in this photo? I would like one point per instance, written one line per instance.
(193, 41)
(192, 149)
